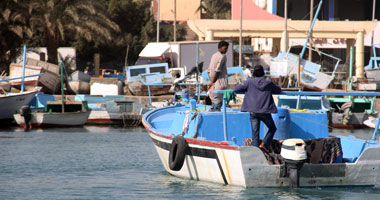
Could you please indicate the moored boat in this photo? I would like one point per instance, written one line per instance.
(74, 113)
(113, 110)
(214, 146)
(79, 82)
(371, 122)
(10, 103)
(49, 81)
(140, 76)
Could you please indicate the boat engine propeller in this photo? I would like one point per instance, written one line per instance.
(294, 154)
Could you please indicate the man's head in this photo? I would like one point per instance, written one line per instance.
(223, 47)
(258, 71)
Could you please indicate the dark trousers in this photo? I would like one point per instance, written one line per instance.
(268, 121)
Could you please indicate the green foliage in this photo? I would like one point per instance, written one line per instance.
(216, 9)
(13, 28)
(56, 19)
(137, 28)
(108, 27)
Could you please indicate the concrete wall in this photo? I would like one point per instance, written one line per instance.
(186, 9)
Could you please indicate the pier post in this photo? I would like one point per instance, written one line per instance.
(359, 55)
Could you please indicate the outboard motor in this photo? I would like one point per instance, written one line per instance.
(26, 112)
(294, 154)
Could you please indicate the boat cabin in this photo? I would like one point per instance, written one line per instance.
(152, 73)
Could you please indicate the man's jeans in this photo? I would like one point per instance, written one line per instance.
(268, 121)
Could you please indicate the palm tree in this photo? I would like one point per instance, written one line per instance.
(13, 21)
(57, 19)
(215, 8)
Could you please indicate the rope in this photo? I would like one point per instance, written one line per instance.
(312, 121)
(188, 124)
(196, 129)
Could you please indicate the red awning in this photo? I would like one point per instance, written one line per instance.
(251, 11)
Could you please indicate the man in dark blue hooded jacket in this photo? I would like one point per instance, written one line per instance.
(259, 102)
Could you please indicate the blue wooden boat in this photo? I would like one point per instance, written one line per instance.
(342, 112)
(193, 143)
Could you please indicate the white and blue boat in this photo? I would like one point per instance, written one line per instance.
(193, 143)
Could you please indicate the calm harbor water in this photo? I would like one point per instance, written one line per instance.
(116, 163)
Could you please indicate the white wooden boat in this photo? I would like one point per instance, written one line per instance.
(311, 75)
(79, 87)
(49, 81)
(75, 114)
(10, 103)
(79, 82)
(193, 143)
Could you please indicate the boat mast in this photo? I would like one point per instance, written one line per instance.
(62, 92)
(158, 20)
(373, 31)
(286, 25)
(311, 29)
(23, 69)
(175, 21)
(311, 32)
(240, 31)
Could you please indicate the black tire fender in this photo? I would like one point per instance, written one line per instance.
(177, 153)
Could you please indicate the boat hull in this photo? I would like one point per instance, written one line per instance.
(103, 117)
(45, 119)
(247, 166)
(373, 74)
(209, 156)
(49, 81)
(355, 120)
(371, 122)
(79, 87)
(136, 88)
(11, 104)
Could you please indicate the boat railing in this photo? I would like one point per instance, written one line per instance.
(15, 78)
(292, 93)
(163, 84)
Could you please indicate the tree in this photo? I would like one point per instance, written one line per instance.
(216, 8)
(13, 29)
(137, 28)
(56, 19)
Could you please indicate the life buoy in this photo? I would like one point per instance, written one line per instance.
(177, 153)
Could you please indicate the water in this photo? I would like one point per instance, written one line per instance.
(116, 163)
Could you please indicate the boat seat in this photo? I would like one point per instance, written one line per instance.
(352, 148)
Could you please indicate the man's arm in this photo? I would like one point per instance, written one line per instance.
(216, 72)
(213, 79)
(241, 87)
(275, 88)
